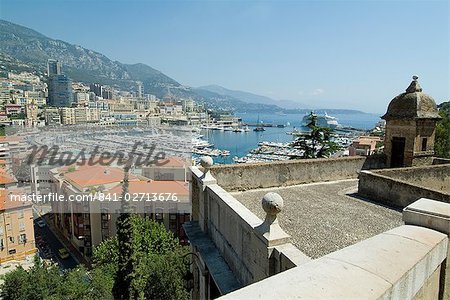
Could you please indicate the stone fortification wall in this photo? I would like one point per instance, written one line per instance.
(401, 187)
(263, 175)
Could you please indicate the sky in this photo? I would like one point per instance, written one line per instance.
(324, 54)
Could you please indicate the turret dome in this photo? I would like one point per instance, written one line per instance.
(413, 104)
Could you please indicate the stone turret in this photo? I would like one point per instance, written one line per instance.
(410, 127)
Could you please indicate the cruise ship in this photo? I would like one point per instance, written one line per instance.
(324, 120)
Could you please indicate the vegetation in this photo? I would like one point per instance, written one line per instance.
(442, 144)
(317, 143)
(157, 271)
(46, 282)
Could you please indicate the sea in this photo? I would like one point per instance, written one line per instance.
(241, 143)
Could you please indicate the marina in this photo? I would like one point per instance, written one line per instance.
(273, 143)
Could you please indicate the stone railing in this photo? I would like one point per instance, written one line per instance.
(253, 249)
(285, 173)
(407, 262)
(401, 187)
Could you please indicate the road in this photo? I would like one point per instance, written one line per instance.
(54, 244)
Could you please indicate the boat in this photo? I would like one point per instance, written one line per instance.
(324, 120)
(259, 128)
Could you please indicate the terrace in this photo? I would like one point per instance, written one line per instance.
(311, 235)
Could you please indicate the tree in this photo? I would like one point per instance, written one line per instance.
(317, 143)
(47, 282)
(126, 258)
(157, 268)
(442, 144)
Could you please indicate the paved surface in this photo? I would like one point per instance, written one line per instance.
(54, 244)
(324, 217)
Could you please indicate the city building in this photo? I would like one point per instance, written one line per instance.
(79, 115)
(16, 226)
(60, 91)
(188, 105)
(52, 116)
(14, 109)
(87, 224)
(171, 168)
(53, 67)
(31, 114)
(364, 145)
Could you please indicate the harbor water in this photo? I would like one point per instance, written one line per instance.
(241, 143)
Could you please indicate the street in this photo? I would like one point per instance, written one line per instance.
(49, 241)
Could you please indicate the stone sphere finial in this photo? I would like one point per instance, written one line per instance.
(272, 203)
(206, 162)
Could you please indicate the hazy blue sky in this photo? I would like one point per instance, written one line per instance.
(340, 54)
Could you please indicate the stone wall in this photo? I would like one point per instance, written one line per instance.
(403, 263)
(440, 161)
(285, 173)
(401, 187)
(250, 249)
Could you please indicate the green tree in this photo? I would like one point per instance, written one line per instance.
(47, 282)
(442, 143)
(158, 270)
(126, 263)
(317, 143)
(158, 266)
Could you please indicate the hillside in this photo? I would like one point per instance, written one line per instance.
(23, 49)
(32, 48)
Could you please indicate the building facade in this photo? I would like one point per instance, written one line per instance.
(60, 91)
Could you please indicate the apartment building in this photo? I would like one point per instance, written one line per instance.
(86, 224)
(16, 227)
(79, 115)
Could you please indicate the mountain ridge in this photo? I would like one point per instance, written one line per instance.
(252, 97)
(25, 49)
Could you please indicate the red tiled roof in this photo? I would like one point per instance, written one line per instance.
(96, 175)
(180, 188)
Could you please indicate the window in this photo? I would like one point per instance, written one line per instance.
(159, 217)
(424, 144)
(1, 244)
(173, 222)
(22, 238)
(21, 226)
(105, 225)
(11, 239)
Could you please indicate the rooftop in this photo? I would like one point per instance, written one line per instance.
(179, 188)
(324, 217)
(86, 176)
